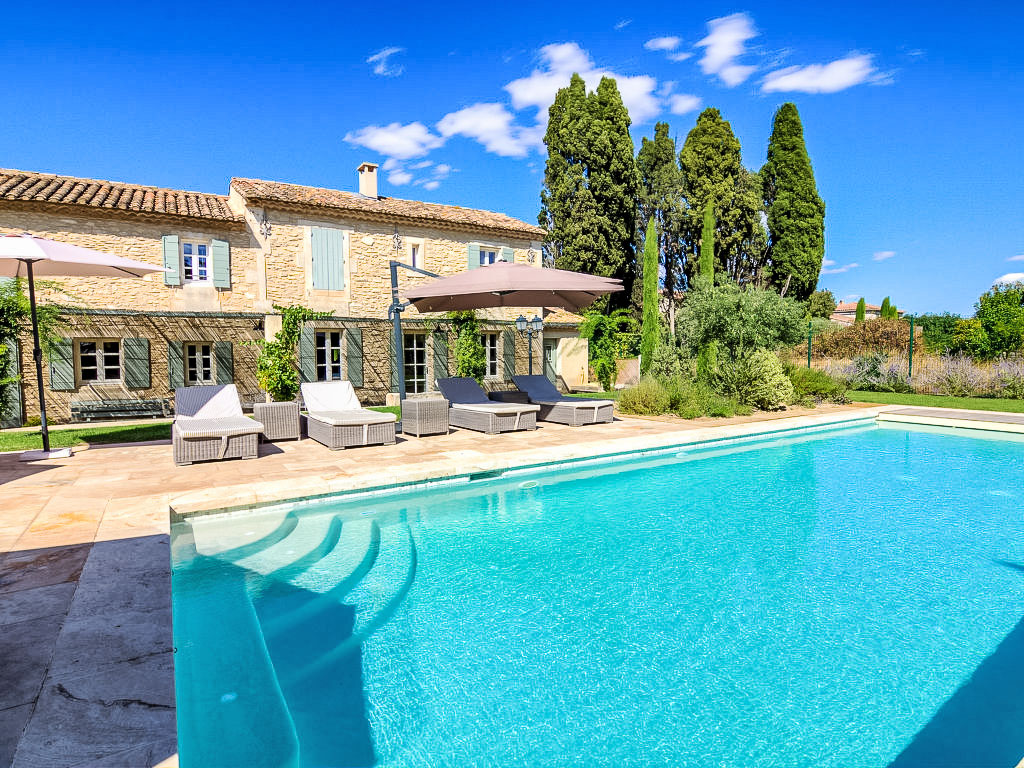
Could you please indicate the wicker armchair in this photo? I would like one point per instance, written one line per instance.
(336, 419)
(209, 425)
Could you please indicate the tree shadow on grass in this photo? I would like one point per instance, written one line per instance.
(982, 723)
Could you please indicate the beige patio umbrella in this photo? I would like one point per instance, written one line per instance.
(28, 256)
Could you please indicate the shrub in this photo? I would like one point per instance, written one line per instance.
(937, 331)
(769, 388)
(956, 375)
(666, 362)
(648, 398)
(1010, 379)
(821, 305)
(861, 338)
(877, 372)
(816, 385)
(611, 336)
(277, 366)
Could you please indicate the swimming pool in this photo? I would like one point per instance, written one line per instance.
(851, 597)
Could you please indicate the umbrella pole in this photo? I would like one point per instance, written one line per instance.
(37, 355)
(396, 327)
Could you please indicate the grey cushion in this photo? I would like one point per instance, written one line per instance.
(541, 390)
(462, 390)
(352, 418)
(502, 409)
(189, 427)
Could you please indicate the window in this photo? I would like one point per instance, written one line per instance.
(416, 252)
(328, 355)
(490, 344)
(198, 364)
(99, 360)
(488, 256)
(415, 362)
(195, 262)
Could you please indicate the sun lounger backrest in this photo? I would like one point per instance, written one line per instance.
(538, 387)
(322, 396)
(207, 402)
(462, 390)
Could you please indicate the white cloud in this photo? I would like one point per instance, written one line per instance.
(663, 43)
(724, 44)
(381, 62)
(1011, 277)
(1016, 258)
(422, 164)
(680, 56)
(623, 23)
(432, 184)
(883, 255)
(840, 270)
(681, 103)
(396, 140)
(822, 78)
(399, 177)
(827, 262)
(490, 124)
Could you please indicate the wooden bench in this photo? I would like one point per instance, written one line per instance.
(96, 410)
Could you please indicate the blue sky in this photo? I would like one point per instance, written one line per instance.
(913, 112)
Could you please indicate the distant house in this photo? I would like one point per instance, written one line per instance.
(846, 312)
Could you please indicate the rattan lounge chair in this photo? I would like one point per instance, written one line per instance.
(336, 419)
(554, 406)
(209, 425)
(471, 409)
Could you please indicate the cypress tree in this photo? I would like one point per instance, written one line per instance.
(861, 310)
(649, 326)
(707, 244)
(660, 182)
(588, 203)
(884, 311)
(796, 214)
(711, 169)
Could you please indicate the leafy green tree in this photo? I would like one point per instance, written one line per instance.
(707, 243)
(591, 184)
(609, 336)
(660, 199)
(937, 330)
(739, 320)
(861, 312)
(796, 214)
(821, 304)
(997, 327)
(649, 330)
(712, 171)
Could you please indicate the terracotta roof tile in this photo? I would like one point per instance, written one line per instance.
(851, 306)
(389, 208)
(26, 186)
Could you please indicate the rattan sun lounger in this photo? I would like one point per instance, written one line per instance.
(336, 419)
(209, 425)
(554, 406)
(471, 409)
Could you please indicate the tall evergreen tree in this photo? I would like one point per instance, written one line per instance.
(591, 185)
(861, 313)
(707, 244)
(796, 214)
(649, 326)
(711, 168)
(660, 199)
(883, 311)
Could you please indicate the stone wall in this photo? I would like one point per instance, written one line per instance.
(140, 237)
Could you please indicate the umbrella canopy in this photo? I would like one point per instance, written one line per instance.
(506, 284)
(29, 256)
(51, 258)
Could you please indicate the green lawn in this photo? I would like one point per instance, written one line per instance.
(387, 409)
(65, 438)
(939, 401)
(613, 395)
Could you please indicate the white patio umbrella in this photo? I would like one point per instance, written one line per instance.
(29, 257)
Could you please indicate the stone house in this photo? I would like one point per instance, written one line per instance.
(230, 259)
(846, 312)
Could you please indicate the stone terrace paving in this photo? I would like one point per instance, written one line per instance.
(85, 613)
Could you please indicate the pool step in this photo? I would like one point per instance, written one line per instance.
(312, 538)
(233, 537)
(329, 579)
(376, 599)
(231, 681)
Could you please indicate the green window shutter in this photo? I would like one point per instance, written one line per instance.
(173, 274)
(328, 250)
(507, 254)
(354, 355)
(508, 344)
(12, 415)
(473, 255)
(136, 363)
(440, 355)
(220, 250)
(62, 366)
(223, 353)
(175, 364)
(307, 353)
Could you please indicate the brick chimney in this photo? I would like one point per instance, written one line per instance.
(368, 180)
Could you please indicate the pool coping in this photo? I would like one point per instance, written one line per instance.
(955, 418)
(274, 493)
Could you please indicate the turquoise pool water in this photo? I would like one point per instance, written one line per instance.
(849, 598)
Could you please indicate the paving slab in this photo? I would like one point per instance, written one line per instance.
(12, 724)
(37, 602)
(33, 567)
(25, 651)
